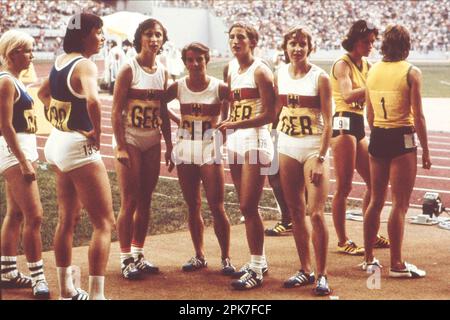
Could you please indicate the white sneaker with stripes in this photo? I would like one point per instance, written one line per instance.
(249, 280)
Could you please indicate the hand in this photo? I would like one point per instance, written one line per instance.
(168, 157)
(316, 173)
(226, 125)
(123, 157)
(27, 171)
(426, 161)
(94, 137)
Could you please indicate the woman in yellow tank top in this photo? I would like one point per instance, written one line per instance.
(394, 113)
(349, 145)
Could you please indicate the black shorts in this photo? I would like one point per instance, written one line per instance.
(391, 143)
(355, 125)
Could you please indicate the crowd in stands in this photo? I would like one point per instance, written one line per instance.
(328, 20)
(46, 15)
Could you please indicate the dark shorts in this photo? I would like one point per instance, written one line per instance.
(391, 143)
(355, 125)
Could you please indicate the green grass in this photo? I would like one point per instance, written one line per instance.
(433, 74)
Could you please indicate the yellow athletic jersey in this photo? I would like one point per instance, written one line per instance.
(389, 94)
(358, 78)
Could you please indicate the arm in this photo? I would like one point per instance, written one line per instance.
(325, 105)
(166, 129)
(87, 71)
(224, 93)
(123, 82)
(370, 112)
(7, 93)
(44, 93)
(342, 73)
(171, 94)
(278, 105)
(415, 79)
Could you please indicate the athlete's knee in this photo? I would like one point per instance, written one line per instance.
(376, 205)
(317, 218)
(106, 224)
(15, 215)
(34, 221)
(343, 189)
(129, 204)
(248, 208)
(400, 205)
(194, 206)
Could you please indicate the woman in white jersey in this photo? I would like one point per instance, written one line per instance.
(138, 117)
(304, 97)
(18, 154)
(196, 154)
(72, 106)
(249, 144)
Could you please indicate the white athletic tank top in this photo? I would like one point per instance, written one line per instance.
(246, 103)
(199, 110)
(301, 112)
(144, 114)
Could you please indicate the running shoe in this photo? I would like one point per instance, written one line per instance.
(249, 280)
(279, 229)
(195, 264)
(350, 248)
(410, 271)
(300, 279)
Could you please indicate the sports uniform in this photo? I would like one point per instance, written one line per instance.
(349, 118)
(67, 147)
(246, 104)
(393, 133)
(141, 116)
(300, 123)
(24, 123)
(199, 114)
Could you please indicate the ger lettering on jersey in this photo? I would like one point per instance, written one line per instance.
(143, 108)
(300, 114)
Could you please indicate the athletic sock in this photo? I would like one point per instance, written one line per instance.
(37, 271)
(8, 267)
(96, 288)
(257, 263)
(137, 249)
(65, 282)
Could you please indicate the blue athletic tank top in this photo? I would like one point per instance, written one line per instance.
(24, 119)
(66, 112)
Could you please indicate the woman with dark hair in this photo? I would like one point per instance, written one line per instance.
(250, 147)
(18, 154)
(72, 106)
(139, 115)
(304, 126)
(197, 153)
(349, 144)
(395, 115)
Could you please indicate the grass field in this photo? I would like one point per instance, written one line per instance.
(436, 76)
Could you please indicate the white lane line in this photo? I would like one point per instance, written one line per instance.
(445, 82)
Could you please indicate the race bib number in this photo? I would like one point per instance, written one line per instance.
(297, 122)
(58, 114)
(341, 123)
(88, 150)
(242, 111)
(410, 141)
(30, 118)
(144, 115)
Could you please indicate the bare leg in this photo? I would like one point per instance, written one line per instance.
(344, 156)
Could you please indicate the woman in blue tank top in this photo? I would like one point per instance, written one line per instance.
(73, 108)
(17, 165)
